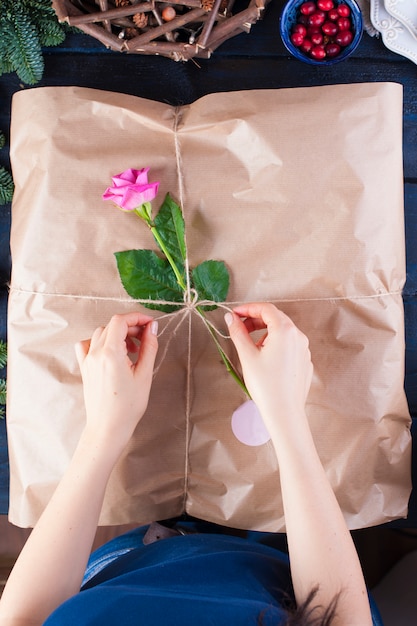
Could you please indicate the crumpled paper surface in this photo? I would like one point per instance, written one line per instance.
(300, 192)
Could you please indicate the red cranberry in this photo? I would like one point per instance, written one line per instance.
(329, 28)
(325, 5)
(297, 39)
(317, 18)
(333, 15)
(306, 46)
(344, 23)
(300, 28)
(317, 39)
(343, 10)
(344, 37)
(318, 53)
(307, 8)
(332, 50)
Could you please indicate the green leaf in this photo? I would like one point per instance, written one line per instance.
(2, 140)
(211, 280)
(171, 228)
(6, 186)
(146, 276)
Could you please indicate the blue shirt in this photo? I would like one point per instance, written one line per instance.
(194, 579)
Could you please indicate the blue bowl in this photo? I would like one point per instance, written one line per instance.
(289, 18)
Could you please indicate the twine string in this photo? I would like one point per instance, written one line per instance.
(229, 303)
(192, 306)
(188, 301)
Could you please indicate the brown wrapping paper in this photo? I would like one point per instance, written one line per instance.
(299, 191)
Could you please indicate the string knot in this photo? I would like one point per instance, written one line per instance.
(191, 299)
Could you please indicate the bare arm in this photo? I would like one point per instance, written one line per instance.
(278, 372)
(51, 566)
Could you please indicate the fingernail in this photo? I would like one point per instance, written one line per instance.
(228, 318)
(154, 327)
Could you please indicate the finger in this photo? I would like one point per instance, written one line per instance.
(240, 336)
(309, 378)
(253, 324)
(261, 341)
(147, 352)
(131, 345)
(135, 331)
(262, 313)
(81, 350)
(119, 326)
(96, 337)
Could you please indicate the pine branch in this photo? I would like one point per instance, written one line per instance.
(6, 66)
(50, 33)
(26, 26)
(3, 390)
(2, 140)
(43, 16)
(2, 397)
(24, 48)
(6, 186)
(3, 354)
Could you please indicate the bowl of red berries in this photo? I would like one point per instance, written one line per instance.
(321, 32)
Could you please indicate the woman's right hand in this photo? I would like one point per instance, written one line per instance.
(277, 369)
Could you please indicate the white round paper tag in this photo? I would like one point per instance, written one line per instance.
(248, 426)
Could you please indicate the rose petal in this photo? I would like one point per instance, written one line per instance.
(131, 189)
(131, 176)
(141, 176)
(135, 195)
(114, 194)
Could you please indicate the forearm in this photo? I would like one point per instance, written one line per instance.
(52, 563)
(278, 373)
(320, 546)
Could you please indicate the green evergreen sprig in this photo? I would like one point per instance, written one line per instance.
(25, 27)
(6, 194)
(6, 180)
(3, 361)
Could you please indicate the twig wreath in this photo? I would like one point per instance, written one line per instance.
(177, 29)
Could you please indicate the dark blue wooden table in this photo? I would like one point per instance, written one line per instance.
(255, 61)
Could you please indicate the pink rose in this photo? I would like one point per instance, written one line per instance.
(131, 189)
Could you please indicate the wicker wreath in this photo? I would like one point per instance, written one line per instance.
(178, 29)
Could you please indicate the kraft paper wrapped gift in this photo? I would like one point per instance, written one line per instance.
(299, 192)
